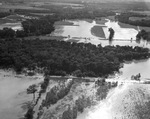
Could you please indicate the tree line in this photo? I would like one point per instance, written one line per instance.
(4, 14)
(31, 27)
(42, 25)
(63, 58)
(143, 34)
(125, 18)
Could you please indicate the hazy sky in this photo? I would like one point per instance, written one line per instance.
(88, 0)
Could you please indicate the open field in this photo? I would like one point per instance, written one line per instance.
(139, 18)
(66, 23)
(19, 6)
(98, 31)
(142, 12)
(41, 14)
(3, 21)
(101, 22)
(64, 4)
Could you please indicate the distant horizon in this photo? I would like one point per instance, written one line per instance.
(76, 1)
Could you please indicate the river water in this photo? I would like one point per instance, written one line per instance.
(120, 103)
(81, 32)
(128, 101)
(13, 96)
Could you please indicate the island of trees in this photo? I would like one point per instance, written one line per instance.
(63, 58)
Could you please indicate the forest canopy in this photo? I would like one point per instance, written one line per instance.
(63, 58)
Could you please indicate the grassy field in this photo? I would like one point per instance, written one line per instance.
(142, 12)
(101, 22)
(19, 6)
(139, 18)
(64, 23)
(98, 31)
(3, 21)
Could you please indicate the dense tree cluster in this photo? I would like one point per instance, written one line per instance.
(57, 93)
(41, 25)
(125, 18)
(44, 84)
(80, 104)
(61, 58)
(70, 113)
(31, 90)
(44, 25)
(7, 33)
(143, 34)
(112, 32)
(29, 114)
(69, 13)
(31, 27)
(4, 14)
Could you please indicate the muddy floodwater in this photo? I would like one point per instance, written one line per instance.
(128, 101)
(13, 96)
(81, 31)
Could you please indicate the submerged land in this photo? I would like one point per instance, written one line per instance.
(58, 62)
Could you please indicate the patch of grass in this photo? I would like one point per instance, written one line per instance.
(139, 18)
(3, 21)
(65, 23)
(73, 40)
(98, 31)
(102, 21)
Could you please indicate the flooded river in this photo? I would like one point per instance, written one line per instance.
(82, 31)
(129, 101)
(123, 102)
(13, 94)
